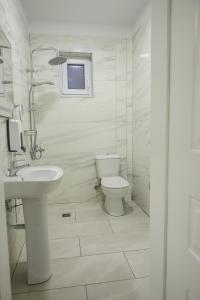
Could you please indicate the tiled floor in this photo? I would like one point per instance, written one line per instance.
(94, 256)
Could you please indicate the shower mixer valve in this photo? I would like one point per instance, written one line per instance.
(36, 152)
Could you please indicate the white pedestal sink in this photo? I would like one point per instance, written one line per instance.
(33, 184)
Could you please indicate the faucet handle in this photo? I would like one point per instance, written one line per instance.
(40, 148)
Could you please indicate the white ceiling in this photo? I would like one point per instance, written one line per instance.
(91, 12)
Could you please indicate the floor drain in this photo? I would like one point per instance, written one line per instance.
(66, 215)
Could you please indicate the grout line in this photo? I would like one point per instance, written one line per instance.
(114, 252)
(97, 254)
(110, 226)
(137, 250)
(129, 265)
(110, 281)
(48, 289)
(86, 291)
(18, 259)
(75, 217)
(143, 277)
(87, 255)
(79, 241)
(74, 286)
(102, 253)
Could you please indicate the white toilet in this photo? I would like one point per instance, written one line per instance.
(113, 186)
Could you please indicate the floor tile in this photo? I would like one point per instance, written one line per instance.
(136, 289)
(79, 229)
(98, 214)
(139, 262)
(55, 208)
(75, 206)
(95, 214)
(135, 223)
(88, 205)
(55, 213)
(75, 293)
(116, 242)
(60, 248)
(77, 271)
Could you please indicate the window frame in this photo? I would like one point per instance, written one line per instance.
(86, 61)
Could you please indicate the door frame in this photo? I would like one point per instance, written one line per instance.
(160, 88)
(5, 283)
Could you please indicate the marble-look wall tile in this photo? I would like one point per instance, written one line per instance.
(74, 130)
(13, 23)
(141, 114)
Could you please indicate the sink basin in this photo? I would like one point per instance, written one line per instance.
(32, 182)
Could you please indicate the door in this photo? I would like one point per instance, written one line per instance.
(183, 251)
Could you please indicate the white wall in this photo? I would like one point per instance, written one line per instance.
(13, 23)
(74, 130)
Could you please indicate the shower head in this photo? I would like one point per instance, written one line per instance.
(58, 60)
(43, 83)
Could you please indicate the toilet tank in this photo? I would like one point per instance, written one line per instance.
(107, 165)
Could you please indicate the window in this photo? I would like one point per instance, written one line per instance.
(77, 74)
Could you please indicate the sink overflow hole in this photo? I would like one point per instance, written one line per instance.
(66, 215)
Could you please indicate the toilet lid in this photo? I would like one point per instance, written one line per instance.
(114, 182)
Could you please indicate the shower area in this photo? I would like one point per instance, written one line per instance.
(36, 150)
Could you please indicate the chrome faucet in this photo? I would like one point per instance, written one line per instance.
(13, 169)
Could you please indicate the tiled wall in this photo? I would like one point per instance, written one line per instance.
(13, 23)
(74, 130)
(141, 113)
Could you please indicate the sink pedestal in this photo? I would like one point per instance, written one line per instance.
(32, 185)
(37, 243)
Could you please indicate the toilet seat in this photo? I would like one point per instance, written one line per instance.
(115, 182)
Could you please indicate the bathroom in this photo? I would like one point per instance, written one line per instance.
(85, 140)
(111, 118)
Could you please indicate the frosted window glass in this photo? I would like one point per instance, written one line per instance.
(76, 76)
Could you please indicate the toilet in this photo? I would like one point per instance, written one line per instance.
(113, 186)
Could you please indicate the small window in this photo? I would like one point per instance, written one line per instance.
(76, 75)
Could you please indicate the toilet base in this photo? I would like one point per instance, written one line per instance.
(114, 206)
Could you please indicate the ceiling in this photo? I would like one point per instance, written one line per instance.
(90, 12)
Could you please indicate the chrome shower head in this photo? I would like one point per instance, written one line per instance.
(58, 60)
(43, 83)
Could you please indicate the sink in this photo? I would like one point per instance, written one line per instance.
(33, 184)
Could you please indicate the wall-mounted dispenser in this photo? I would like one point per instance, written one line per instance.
(15, 136)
